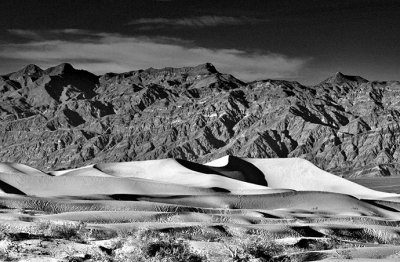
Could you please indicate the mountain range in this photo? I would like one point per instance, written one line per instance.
(62, 118)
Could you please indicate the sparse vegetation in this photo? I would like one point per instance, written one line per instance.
(174, 245)
(5, 249)
(170, 249)
(255, 247)
(259, 248)
(156, 246)
(179, 244)
(63, 230)
(344, 254)
(97, 234)
(198, 233)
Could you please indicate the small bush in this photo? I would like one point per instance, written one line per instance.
(5, 246)
(156, 246)
(170, 250)
(263, 250)
(344, 254)
(254, 248)
(101, 234)
(197, 233)
(9, 250)
(382, 236)
(66, 230)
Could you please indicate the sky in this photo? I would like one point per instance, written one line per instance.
(305, 41)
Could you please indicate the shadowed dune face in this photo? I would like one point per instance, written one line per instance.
(300, 174)
(235, 168)
(188, 174)
(8, 189)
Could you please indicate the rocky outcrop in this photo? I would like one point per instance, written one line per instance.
(63, 118)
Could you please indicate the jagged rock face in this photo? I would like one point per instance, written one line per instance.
(63, 118)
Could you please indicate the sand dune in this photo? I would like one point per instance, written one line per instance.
(236, 168)
(65, 171)
(232, 174)
(85, 171)
(172, 171)
(178, 177)
(15, 168)
(304, 200)
(88, 185)
(300, 174)
(284, 197)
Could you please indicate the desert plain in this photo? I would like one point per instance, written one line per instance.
(229, 209)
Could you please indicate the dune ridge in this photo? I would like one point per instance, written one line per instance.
(15, 168)
(302, 175)
(229, 174)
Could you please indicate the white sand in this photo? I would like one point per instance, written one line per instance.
(301, 175)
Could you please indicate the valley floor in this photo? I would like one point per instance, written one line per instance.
(387, 184)
(39, 229)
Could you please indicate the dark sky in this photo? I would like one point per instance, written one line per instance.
(306, 40)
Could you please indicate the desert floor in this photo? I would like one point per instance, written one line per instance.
(231, 209)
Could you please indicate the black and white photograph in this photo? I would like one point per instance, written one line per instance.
(199, 130)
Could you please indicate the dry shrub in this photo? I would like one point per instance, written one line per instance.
(382, 236)
(156, 246)
(63, 230)
(253, 247)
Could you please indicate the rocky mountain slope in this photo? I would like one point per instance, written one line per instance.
(63, 118)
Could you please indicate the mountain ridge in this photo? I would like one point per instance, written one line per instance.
(63, 117)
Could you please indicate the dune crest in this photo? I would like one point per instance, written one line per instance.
(15, 168)
(172, 171)
(301, 175)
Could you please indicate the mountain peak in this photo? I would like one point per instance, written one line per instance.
(60, 69)
(29, 70)
(339, 74)
(204, 69)
(340, 78)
